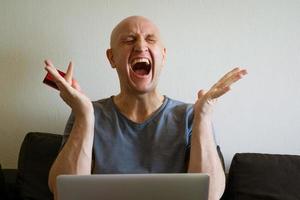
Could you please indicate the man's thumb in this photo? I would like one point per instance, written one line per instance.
(201, 93)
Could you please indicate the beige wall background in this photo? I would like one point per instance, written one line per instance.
(204, 39)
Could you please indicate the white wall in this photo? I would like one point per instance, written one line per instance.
(204, 38)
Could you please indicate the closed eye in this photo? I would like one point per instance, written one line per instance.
(151, 39)
(129, 40)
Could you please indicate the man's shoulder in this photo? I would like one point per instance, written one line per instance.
(179, 106)
(104, 104)
(102, 101)
(177, 103)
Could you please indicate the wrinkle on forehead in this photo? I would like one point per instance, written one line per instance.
(138, 22)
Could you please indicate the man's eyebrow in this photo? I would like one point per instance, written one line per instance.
(151, 35)
(124, 35)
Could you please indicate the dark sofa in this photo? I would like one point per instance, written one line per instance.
(30, 180)
(251, 176)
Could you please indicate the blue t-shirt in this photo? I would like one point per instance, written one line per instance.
(161, 144)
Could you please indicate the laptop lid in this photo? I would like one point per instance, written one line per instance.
(188, 186)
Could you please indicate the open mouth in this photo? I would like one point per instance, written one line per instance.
(141, 66)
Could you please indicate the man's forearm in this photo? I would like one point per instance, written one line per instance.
(204, 157)
(76, 155)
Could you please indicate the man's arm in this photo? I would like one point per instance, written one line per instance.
(204, 157)
(76, 155)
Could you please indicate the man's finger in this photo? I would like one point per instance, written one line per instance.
(48, 63)
(201, 93)
(69, 73)
(221, 82)
(217, 92)
(229, 74)
(230, 78)
(234, 78)
(236, 72)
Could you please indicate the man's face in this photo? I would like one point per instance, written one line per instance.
(138, 55)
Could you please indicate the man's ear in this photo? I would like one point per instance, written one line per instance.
(164, 53)
(110, 57)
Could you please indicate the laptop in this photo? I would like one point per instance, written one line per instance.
(187, 186)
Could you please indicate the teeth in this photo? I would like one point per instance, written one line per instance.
(139, 60)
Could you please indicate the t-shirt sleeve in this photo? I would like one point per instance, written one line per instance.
(68, 129)
(189, 120)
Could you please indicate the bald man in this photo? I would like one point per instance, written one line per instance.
(139, 130)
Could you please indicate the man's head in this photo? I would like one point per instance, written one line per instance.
(137, 53)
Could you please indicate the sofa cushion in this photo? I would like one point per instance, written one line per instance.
(255, 176)
(37, 153)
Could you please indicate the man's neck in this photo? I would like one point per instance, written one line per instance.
(138, 108)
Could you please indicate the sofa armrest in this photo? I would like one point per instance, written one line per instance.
(2, 185)
(37, 153)
(10, 180)
(254, 176)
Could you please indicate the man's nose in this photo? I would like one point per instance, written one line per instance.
(141, 45)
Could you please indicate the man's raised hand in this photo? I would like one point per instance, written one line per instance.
(70, 90)
(205, 101)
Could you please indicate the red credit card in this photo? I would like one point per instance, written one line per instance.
(48, 80)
